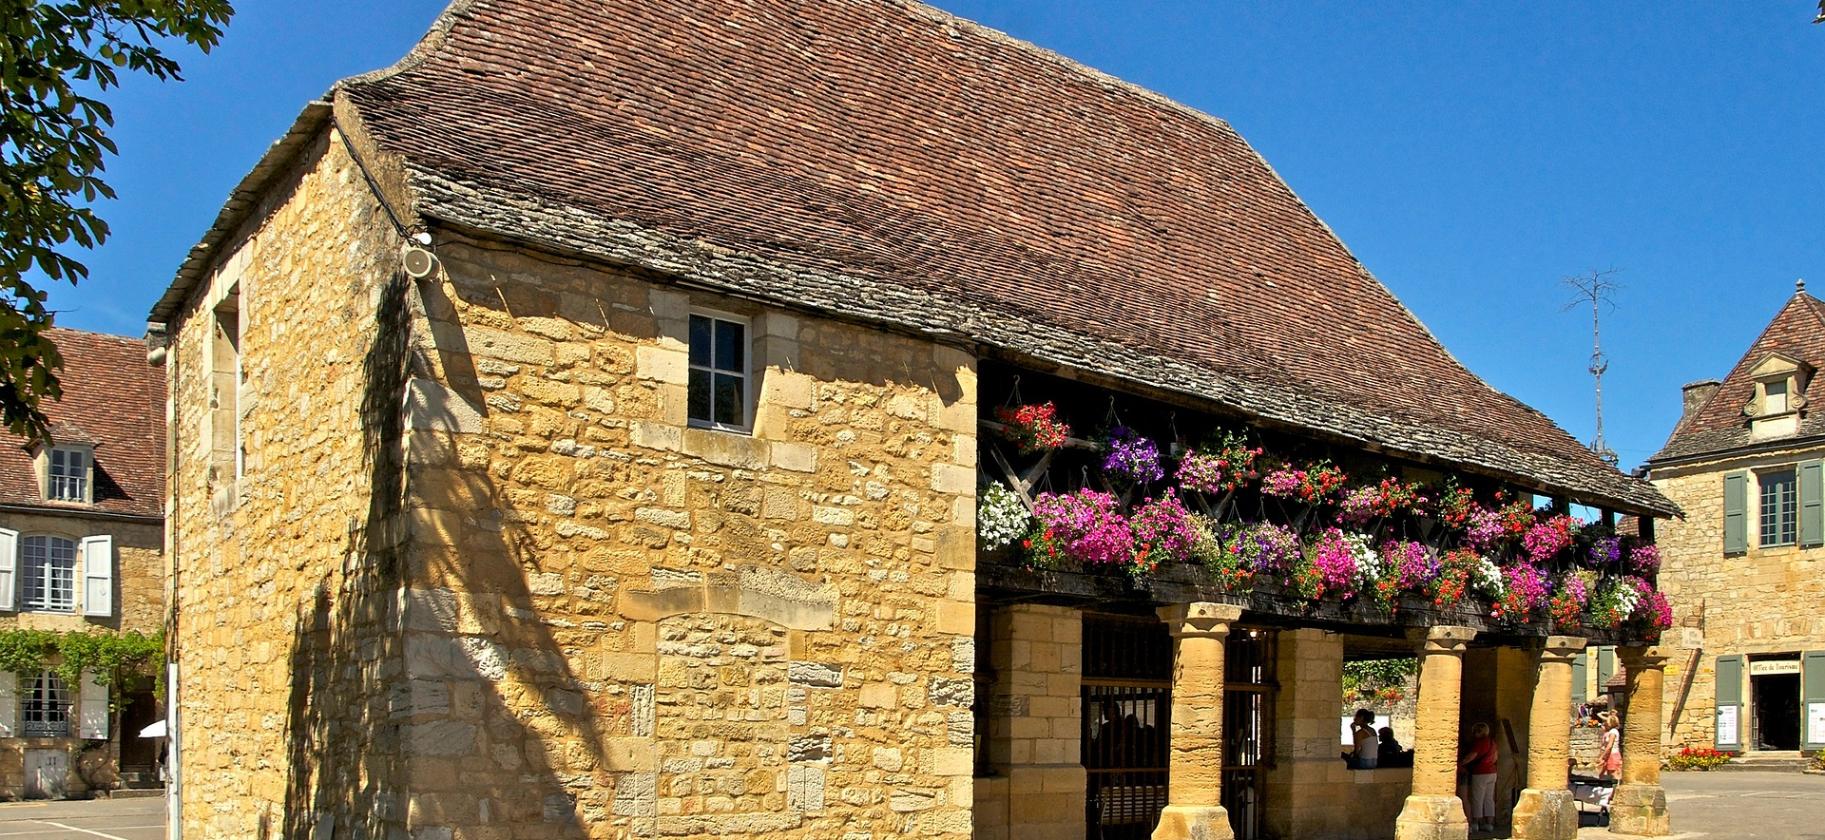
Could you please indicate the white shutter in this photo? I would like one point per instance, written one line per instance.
(9, 705)
(9, 569)
(93, 705)
(98, 576)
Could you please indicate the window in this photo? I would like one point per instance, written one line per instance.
(1774, 398)
(68, 479)
(1780, 508)
(50, 574)
(718, 387)
(44, 710)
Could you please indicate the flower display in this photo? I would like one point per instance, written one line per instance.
(1545, 539)
(1033, 428)
(1483, 527)
(1268, 548)
(1087, 526)
(1525, 590)
(1343, 562)
(1132, 457)
(1218, 548)
(1606, 551)
(1001, 518)
(1228, 467)
(1617, 599)
(1163, 530)
(1313, 485)
(1455, 575)
(1413, 565)
(1357, 506)
(1658, 611)
(1644, 559)
(1486, 578)
(1393, 496)
(1569, 598)
(1517, 516)
(1455, 505)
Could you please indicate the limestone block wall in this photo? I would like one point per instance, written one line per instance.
(139, 571)
(1035, 726)
(1310, 791)
(284, 578)
(1763, 601)
(620, 625)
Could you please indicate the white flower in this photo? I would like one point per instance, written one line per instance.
(1486, 578)
(1000, 516)
(1368, 560)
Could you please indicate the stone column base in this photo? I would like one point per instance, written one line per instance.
(1432, 818)
(1640, 810)
(1194, 822)
(1545, 815)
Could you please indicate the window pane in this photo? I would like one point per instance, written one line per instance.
(730, 338)
(1779, 509)
(729, 400)
(700, 340)
(46, 707)
(699, 395)
(50, 574)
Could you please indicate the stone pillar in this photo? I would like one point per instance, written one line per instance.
(1433, 811)
(1546, 810)
(1640, 806)
(1036, 718)
(1194, 794)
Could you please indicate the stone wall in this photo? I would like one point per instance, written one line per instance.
(621, 625)
(284, 576)
(1764, 601)
(1035, 726)
(139, 601)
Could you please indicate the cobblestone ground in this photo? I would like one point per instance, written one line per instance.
(107, 819)
(1741, 804)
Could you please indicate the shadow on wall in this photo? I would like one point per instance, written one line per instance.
(470, 700)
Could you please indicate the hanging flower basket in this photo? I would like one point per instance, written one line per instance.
(1033, 428)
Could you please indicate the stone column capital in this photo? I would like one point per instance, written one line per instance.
(1642, 658)
(1443, 638)
(1200, 619)
(1562, 649)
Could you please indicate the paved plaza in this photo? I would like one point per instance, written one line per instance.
(141, 818)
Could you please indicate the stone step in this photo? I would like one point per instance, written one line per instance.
(1787, 760)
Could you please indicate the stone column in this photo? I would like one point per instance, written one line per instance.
(1640, 806)
(1546, 810)
(1194, 793)
(1433, 811)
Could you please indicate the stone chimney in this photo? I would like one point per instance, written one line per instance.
(1696, 395)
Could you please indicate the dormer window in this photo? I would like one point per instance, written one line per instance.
(67, 479)
(1779, 398)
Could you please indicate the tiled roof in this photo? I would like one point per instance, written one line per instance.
(1798, 330)
(113, 400)
(890, 162)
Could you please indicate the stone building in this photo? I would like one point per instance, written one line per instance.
(81, 550)
(579, 429)
(1748, 661)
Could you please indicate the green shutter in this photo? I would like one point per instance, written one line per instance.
(1730, 702)
(1812, 510)
(1580, 675)
(1812, 688)
(1606, 667)
(1736, 512)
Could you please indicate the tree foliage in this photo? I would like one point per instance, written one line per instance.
(56, 60)
(116, 658)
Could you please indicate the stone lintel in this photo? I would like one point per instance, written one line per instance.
(1443, 638)
(1199, 619)
(1636, 658)
(1562, 649)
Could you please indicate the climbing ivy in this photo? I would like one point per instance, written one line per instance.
(114, 657)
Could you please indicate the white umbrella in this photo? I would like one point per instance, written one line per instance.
(156, 730)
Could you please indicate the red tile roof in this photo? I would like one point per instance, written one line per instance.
(890, 162)
(1798, 330)
(114, 400)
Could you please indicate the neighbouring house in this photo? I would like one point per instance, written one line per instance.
(1748, 660)
(770, 419)
(82, 552)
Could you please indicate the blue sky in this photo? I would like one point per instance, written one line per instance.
(1471, 154)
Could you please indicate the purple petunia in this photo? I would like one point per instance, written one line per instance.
(1133, 457)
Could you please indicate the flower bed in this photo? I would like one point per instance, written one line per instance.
(1698, 758)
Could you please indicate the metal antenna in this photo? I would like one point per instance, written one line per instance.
(1596, 288)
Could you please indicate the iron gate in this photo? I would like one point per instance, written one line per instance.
(1127, 723)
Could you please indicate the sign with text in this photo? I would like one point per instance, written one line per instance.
(1774, 666)
(1726, 725)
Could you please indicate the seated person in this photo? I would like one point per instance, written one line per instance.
(1365, 753)
(1389, 753)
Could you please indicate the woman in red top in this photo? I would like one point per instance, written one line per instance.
(1481, 762)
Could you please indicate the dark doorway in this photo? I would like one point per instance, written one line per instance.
(139, 756)
(1777, 711)
(1127, 709)
(1248, 722)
